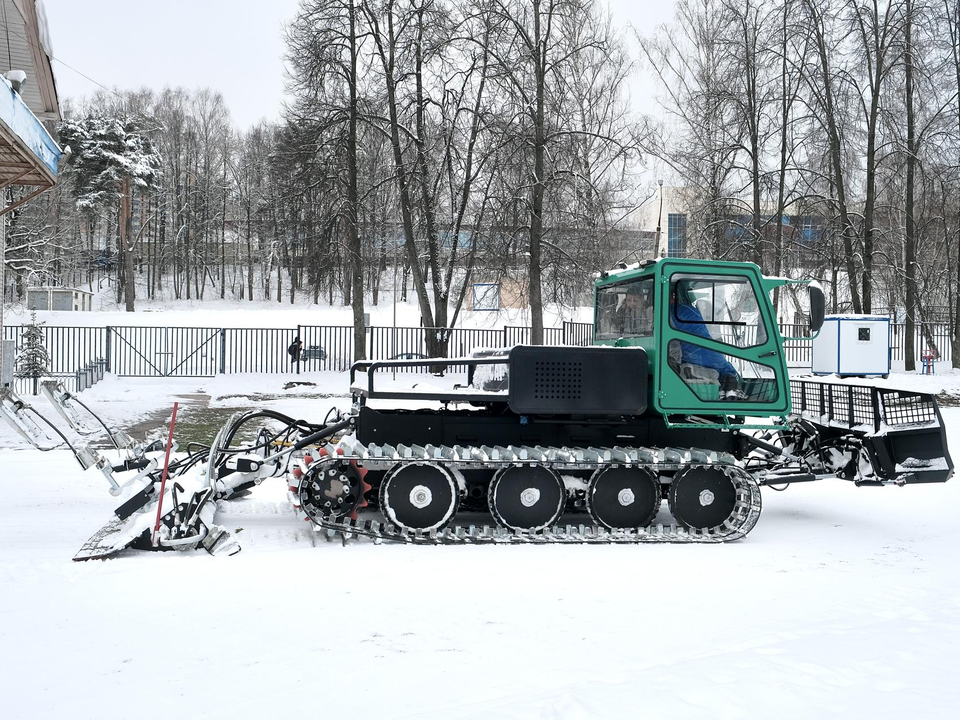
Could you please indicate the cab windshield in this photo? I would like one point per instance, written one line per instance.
(625, 310)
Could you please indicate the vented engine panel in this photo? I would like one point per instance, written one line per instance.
(578, 380)
(557, 379)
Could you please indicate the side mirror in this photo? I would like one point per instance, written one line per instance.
(817, 308)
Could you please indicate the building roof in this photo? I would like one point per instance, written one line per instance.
(25, 45)
(55, 288)
(29, 156)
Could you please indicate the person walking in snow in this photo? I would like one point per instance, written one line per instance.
(294, 349)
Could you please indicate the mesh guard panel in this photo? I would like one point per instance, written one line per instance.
(578, 380)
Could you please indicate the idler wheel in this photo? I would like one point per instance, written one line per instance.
(331, 490)
(623, 497)
(702, 497)
(423, 496)
(526, 497)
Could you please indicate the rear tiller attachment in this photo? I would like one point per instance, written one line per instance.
(870, 435)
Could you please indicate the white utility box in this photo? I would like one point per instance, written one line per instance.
(852, 345)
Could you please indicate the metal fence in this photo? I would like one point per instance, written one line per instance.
(203, 352)
(331, 347)
(796, 352)
(799, 353)
(255, 350)
(135, 351)
(164, 351)
(72, 351)
(940, 334)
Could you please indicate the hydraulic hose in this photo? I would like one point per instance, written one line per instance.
(321, 434)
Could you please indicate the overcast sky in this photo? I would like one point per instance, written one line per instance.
(234, 46)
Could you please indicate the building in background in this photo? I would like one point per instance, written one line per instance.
(58, 298)
(800, 246)
(671, 218)
(25, 46)
(29, 108)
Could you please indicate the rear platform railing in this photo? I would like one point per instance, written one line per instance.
(861, 405)
(371, 368)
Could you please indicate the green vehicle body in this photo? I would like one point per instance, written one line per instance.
(755, 348)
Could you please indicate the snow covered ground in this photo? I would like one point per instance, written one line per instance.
(214, 312)
(843, 602)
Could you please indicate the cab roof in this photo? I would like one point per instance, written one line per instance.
(645, 268)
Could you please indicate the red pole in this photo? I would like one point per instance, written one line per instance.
(163, 481)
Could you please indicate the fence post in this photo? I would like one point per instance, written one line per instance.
(109, 354)
(223, 351)
(298, 333)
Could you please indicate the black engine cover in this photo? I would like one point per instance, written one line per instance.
(598, 381)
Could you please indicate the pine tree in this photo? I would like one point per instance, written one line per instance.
(33, 360)
(112, 155)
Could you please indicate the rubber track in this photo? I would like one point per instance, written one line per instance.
(657, 460)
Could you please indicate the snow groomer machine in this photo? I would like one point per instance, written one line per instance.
(682, 400)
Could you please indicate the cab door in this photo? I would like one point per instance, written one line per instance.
(718, 347)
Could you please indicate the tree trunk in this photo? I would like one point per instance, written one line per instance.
(355, 248)
(536, 210)
(785, 104)
(954, 26)
(753, 112)
(223, 230)
(386, 54)
(126, 244)
(187, 241)
(955, 354)
(836, 152)
(249, 255)
(435, 339)
(910, 240)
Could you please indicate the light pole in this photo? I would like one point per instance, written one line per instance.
(661, 250)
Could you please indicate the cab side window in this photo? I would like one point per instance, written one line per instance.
(723, 308)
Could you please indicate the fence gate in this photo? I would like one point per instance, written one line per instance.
(164, 352)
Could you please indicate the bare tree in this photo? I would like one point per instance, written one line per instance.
(434, 93)
(951, 20)
(877, 25)
(536, 46)
(324, 45)
(693, 63)
(822, 83)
